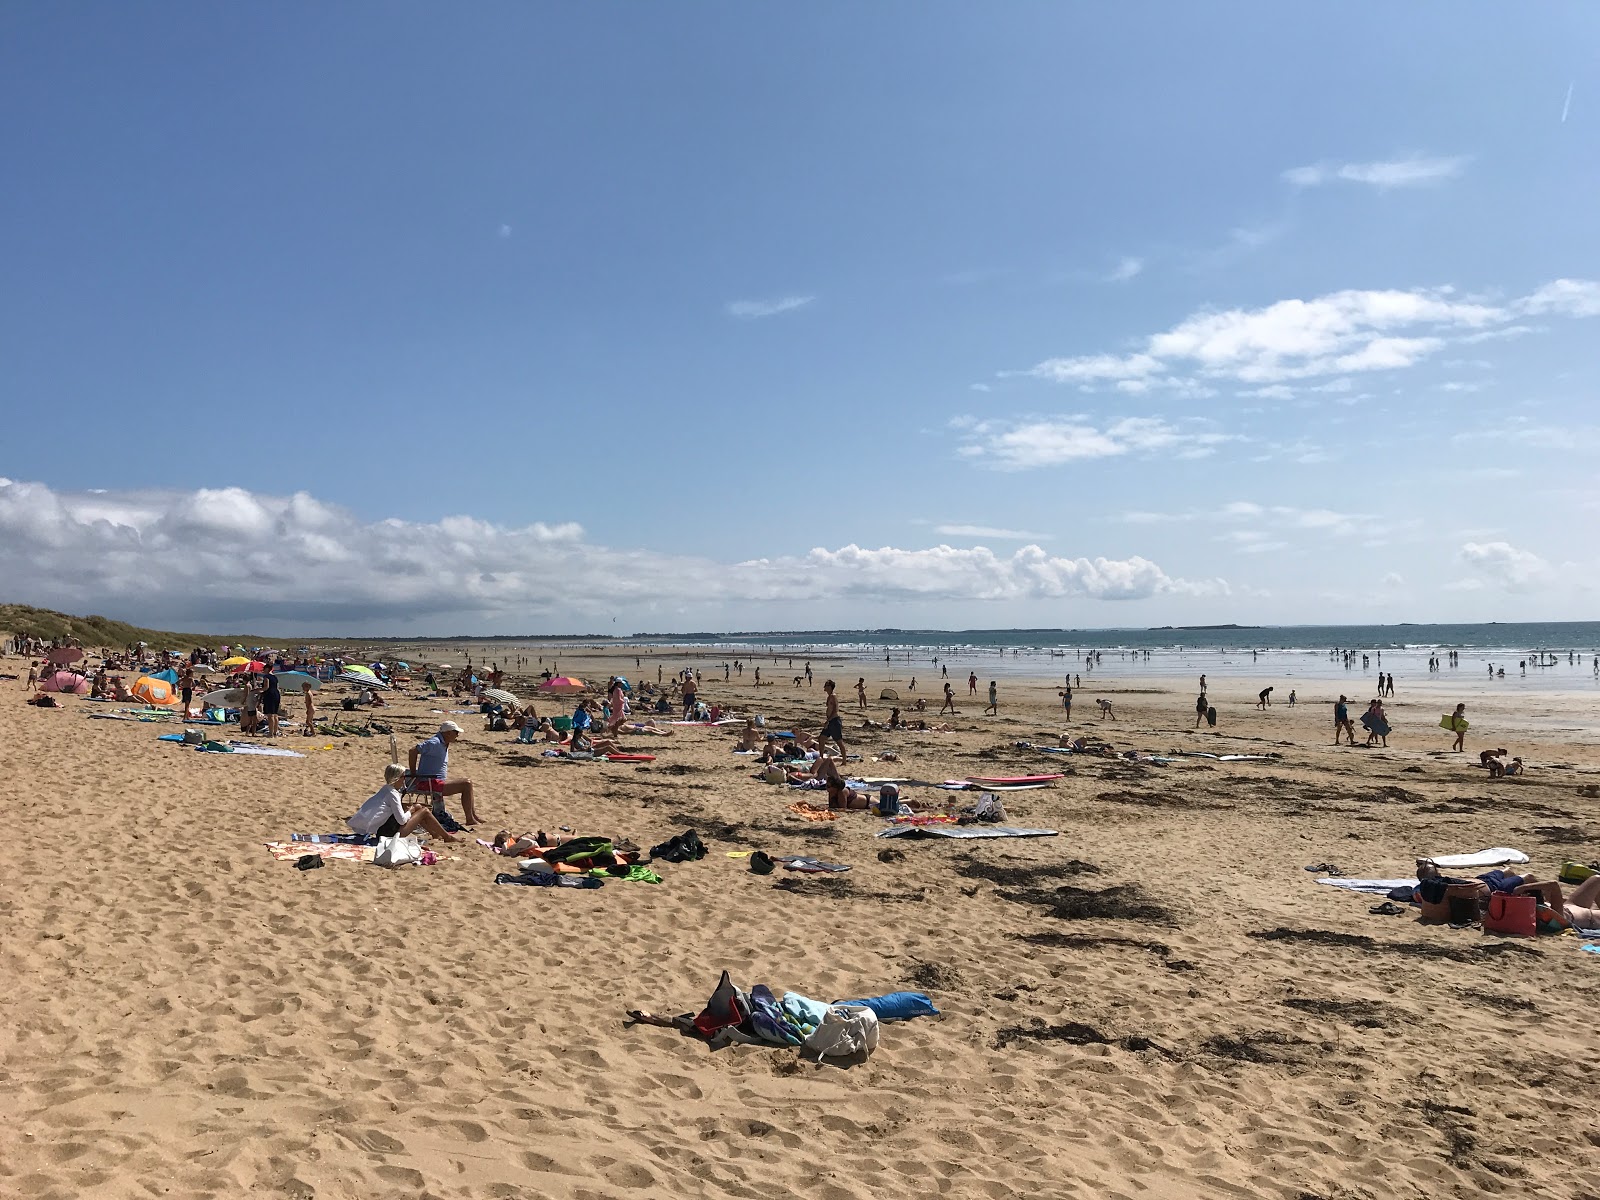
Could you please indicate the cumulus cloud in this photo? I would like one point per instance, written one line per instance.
(1333, 335)
(224, 558)
(751, 310)
(1412, 171)
(1503, 564)
(1051, 441)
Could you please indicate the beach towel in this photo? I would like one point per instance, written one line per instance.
(811, 866)
(541, 879)
(963, 831)
(251, 748)
(896, 1006)
(804, 1013)
(293, 850)
(335, 839)
(1492, 857)
(1374, 887)
(812, 812)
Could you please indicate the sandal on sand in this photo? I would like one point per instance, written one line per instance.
(1386, 909)
(637, 1016)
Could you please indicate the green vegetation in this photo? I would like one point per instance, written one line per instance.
(91, 631)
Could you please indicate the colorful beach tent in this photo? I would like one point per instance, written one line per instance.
(167, 675)
(68, 682)
(157, 693)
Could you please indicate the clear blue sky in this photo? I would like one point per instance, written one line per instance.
(756, 316)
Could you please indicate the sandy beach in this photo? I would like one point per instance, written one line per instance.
(1191, 1016)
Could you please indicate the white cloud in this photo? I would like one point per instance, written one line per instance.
(750, 310)
(1501, 563)
(504, 231)
(229, 558)
(1332, 335)
(1126, 269)
(1051, 441)
(1564, 298)
(1412, 171)
(980, 387)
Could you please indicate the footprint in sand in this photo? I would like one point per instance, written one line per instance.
(375, 1141)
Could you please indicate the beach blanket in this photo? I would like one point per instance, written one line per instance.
(273, 751)
(964, 785)
(811, 866)
(335, 839)
(283, 851)
(541, 879)
(812, 812)
(1373, 887)
(963, 831)
(1492, 857)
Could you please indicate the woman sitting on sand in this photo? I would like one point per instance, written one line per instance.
(750, 737)
(385, 814)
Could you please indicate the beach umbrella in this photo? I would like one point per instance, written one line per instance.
(562, 685)
(250, 668)
(293, 681)
(67, 682)
(623, 680)
(501, 697)
(64, 654)
(157, 693)
(238, 660)
(363, 677)
(402, 666)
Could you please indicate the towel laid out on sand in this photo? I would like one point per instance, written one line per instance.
(812, 812)
(335, 839)
(1492, 857)
(963, 831)
(1373, 887)
(287, 850)
(810, 866)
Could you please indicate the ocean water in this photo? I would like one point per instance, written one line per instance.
(1290, 652)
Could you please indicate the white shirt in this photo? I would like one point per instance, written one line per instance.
(380, 806)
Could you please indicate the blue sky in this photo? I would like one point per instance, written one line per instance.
(523, 317)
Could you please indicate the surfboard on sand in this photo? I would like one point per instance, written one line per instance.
(630, 758)
(1453, 723)
(1005, 780)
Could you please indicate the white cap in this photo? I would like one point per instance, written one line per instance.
(449, 727)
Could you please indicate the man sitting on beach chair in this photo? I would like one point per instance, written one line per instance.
(429, 765)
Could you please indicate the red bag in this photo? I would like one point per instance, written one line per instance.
(1511, 914)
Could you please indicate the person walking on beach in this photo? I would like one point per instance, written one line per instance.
(1264, 698)
(1066, 703)
(832, 724)
(972, 684)
(1291, 697)
(1458, 723)
(1342, 721)
(1200, 706)
(310, 728)
(861, 693)
(1202, 683)
(949, 700)
(994, 701)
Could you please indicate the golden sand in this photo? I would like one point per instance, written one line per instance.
(186, 1016)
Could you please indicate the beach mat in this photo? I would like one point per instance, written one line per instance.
(284, 851)
(963, 831)
(1372, 887)
(1492, 857)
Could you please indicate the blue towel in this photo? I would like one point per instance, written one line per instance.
(897, 1006)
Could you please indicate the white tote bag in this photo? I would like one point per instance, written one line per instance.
(847, 1029)
(397, 851)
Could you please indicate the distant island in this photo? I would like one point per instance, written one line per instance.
(1162, 628)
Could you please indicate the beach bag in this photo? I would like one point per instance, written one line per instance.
(582, 852)
(846, 1030)
(1515, 916)
(727, 1008)
(397, 851)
